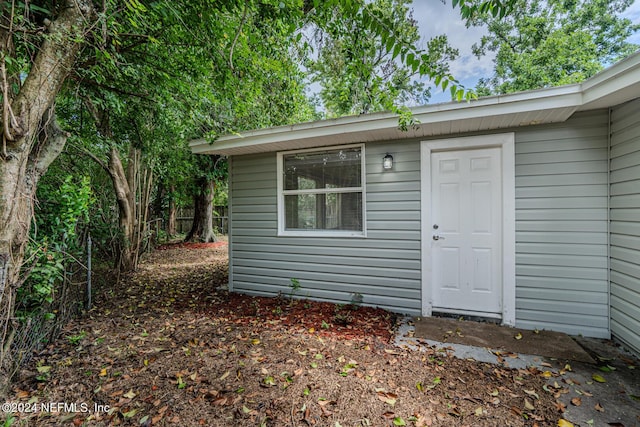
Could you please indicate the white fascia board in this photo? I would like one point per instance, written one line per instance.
(287, 136)
(538, 100)
(614, 85)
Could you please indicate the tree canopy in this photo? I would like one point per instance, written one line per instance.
(552, 42)
(358, 72)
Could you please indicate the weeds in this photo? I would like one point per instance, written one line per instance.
(295, 287)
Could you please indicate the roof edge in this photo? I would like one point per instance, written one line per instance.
(612, 86)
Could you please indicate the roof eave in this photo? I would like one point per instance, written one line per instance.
(612, 86)
(515, 110)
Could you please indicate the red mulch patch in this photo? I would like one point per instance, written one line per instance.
(321, 318)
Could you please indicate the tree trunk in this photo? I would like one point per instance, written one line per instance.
(126, 208)
(202, 228)
(133, 191)
(31, 140)
(171, 220)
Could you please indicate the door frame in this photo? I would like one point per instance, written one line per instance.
(506, 143)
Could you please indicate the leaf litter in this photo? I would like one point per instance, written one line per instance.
(169, 345)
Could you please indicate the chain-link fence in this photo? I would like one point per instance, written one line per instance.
(35, 328)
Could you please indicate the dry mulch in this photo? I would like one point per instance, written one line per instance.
(168, 346)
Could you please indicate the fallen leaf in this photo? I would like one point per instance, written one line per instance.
(130, 394)
(561, 407)
(221, 401)
(24, 394)
(576, 401)
(564, 423)
(532, 393)
(389, 398)
(269, 381)
(528, 405)
(518, 336)
(598, 407)
(598, 378)
(130, 414)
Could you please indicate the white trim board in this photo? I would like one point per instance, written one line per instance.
(283, 232)
(505, 141)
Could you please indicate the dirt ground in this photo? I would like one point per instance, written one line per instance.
(168, 346)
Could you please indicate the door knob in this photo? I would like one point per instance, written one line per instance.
(435, 237)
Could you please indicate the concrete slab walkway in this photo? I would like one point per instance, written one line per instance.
(604, 391)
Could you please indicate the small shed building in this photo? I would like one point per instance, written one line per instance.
(523, 208)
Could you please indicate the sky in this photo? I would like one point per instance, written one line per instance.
(436, 18)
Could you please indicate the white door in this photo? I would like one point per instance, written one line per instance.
(466, 214)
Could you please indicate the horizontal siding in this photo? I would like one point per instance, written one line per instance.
(625, 224)
(562, 211)
(384, 267)
(561, 226)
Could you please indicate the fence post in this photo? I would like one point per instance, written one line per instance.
(89, 272)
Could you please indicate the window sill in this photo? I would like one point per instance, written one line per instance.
(321, 233)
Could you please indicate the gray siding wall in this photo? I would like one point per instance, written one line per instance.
(625, 224)
(561, 231)
(561, 226)
(384, 266)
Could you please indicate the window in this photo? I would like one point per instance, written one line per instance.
(321, 192)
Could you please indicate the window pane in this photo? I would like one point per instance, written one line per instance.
(323, 169)
(332, 211)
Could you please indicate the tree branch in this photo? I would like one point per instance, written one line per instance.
(50, 68)
(95, 158)
(52, 140)
(235, 39)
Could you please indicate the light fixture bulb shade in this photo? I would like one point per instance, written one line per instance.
(387, 162)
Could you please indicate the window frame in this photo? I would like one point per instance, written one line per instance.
(282, 231)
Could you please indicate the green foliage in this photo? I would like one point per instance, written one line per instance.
(495, 8)
(295, 287)
(53, 236)
(550, 43)
(368, 61)
(75, 339)
(8, 422)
